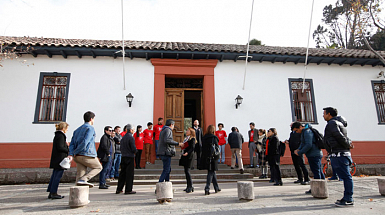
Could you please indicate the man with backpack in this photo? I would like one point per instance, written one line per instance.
(338, 146)
(309, 148)
(235, 142)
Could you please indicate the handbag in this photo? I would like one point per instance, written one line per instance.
(215, 151)
(65, 163)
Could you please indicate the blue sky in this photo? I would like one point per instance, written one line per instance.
(275, 22)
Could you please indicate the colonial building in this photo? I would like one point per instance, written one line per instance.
(59, 79)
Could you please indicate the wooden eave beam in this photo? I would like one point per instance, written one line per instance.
(343, 62)
(236, 58)
(207, 56)
(93, 54)
(320, 61)
(78, 54)
(161, 55)
(377, 63)
(274, 59)
(331, 62)
(365, 63)
(221, 59)
(177, 56)
(192, 56)
(297, 61)
(285, 60)
(260, 60)
(33, 53)
(48, 53)
(130, 55)
(62, 52)
(147, 58)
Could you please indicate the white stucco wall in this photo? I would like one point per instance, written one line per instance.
(267, 98)
(95, 84)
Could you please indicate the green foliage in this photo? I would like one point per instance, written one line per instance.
(255, 42)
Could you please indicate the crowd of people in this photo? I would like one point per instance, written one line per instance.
(124, 150)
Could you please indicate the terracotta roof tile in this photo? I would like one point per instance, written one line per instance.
(181, 46)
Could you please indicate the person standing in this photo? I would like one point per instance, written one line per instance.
(148, 137)
(235, 142)
(272, 146)
(128, 149)
(198, 145)
(117, 155)
(83, 151)
(166, 149)
(262, 143)
(222, 136)
(112, 157)
(139, 138)
(338, 146)
(157, 129)
(307, 147)
(187, 157)
(104, 154)
(59, 152)
(208, 161)
(253, 138)
(298, 161)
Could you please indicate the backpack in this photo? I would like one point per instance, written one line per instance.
(319, 138)
(214, 151)
(282, 148)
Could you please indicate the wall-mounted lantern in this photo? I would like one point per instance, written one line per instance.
(129, 99)
(238, 101)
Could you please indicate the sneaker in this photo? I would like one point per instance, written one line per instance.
(342, 203)
(242, 171)
(305, 183)
(84, 183)
(308, 192)
(297, 182)
(148, 163)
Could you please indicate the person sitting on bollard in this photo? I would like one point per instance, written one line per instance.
(187, 157)
(59, 152)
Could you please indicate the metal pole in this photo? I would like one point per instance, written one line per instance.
(307, 48)
(247, 49)
(123, 52)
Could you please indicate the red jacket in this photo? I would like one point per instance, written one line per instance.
(148, 136)
(157, 130)
(221, 136)
(139, 141)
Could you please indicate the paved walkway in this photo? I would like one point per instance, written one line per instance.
(269, 199)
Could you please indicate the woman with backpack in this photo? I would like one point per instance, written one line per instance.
(208, 161)
(187, 157)
(273, 156)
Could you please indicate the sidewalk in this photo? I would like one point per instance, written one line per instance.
(287, 199)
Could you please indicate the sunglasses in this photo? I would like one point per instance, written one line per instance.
(110, 130)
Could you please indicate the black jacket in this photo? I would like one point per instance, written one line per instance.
(207, 161)
(336, 136)
(127, 146)
(186, 161)
(235, 140)
(104, 148)
(166, 143)
(117, 140)
(59, 150)
(294, 141)
(273, 146)
(199, 136)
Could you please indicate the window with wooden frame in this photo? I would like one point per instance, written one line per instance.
(302, 100)
(52, 97)
(379, 98)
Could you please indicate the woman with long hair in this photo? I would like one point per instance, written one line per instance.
(272, 148)
(139, 139)
(261, 146)
(187, 157)
(208, 161)
(59, 152)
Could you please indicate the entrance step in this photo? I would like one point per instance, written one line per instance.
(196, 176)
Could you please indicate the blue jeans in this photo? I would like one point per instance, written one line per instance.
(315, 166)
(222, 150)
(165, 176)
(342, 167)
(211, 177)
(115, 166)
(156, 148)
(55, 180)
(103, 173)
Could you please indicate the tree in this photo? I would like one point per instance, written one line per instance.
(255, 42)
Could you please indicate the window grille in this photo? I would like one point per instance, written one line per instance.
(379, 97)
(303, 107)
(52, 97)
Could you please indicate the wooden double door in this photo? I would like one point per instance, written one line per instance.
(175, 109)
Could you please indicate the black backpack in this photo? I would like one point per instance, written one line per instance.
(319, 138)
(282, 148)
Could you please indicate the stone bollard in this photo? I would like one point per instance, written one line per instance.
(319, 188)
(164, 192)
(381, 185)
(79, 196)
(245, 190)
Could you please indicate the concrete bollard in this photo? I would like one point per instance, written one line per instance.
(245, 190)
(164, 192)
(319, 188)
(381, 185)
(79, 196)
